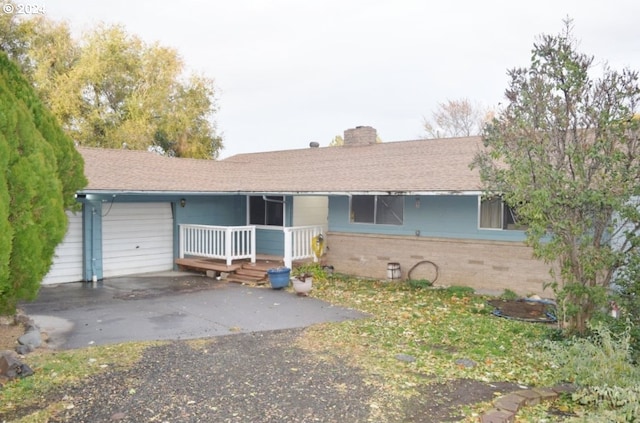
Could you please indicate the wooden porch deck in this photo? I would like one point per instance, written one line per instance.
(241, 271)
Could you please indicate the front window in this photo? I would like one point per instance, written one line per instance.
(266, 212)
(495, 214)
(377, 209)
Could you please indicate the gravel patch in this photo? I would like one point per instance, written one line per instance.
(250, 377)
(255, 377)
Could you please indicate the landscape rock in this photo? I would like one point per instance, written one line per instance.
(25, 370)
(466, 362)
(32, 337)
(11, 367)
(24, 349)
(23, 319)
(406, 358)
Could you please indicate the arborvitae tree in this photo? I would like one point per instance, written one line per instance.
(6, 232)
(40, 170)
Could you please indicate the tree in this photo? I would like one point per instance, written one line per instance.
(14, 35)
(338, 141)
(564, 154)
(455, 118)
(40, 171)
(112, 89)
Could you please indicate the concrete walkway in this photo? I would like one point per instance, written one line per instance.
(174, 305)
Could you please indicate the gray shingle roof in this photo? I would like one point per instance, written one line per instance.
(409, 166)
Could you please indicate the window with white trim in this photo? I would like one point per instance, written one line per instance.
(495, 214)
(377, 209)
(266, 212)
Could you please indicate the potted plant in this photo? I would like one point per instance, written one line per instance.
(279, 277)
(302, 283)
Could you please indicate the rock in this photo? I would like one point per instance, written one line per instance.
(24, 349)
(466, 362)
(32, 337)
(23, 319)
(25, 370)
(8, 363)
(11, 367)
(31, 327)
(406, 358)
(8, 353)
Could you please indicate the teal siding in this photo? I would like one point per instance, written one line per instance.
(212, 210)
(270, 241)
(446, 216)
(224, 210)
(438, 216)
(230, 211)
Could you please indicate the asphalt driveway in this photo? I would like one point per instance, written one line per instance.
(257, 373)
(169, 306)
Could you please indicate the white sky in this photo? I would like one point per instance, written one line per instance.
(291, 72)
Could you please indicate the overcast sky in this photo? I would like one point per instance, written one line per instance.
(291, 71)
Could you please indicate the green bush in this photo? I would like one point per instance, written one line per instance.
(601, 366)
(601, 359)
(610, 403)
(313, 269)
(509, 295)
(40, 170)
(627, 298)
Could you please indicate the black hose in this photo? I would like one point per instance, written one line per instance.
(435, 266)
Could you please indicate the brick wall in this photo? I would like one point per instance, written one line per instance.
(486, 266)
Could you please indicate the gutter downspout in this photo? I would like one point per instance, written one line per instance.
(269, 200)
(94, 276)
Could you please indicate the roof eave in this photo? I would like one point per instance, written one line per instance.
(108, 191)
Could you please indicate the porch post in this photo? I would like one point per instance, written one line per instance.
(253, 244)
(288, 247)
(181, 241)
(227, 244)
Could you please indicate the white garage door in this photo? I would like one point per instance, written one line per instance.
(67, 260)
(136, 238)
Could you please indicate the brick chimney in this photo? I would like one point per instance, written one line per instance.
(360, 135)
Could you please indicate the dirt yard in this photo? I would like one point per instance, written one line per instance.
(9, 334)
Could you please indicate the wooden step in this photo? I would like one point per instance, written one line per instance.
(241, 271)
(207, 264)
(262, 266)
(245, 279)
(252, 272)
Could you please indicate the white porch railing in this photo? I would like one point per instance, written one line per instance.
(220, 242)
(297, 243)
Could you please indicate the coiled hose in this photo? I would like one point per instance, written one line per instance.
(435, 266)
